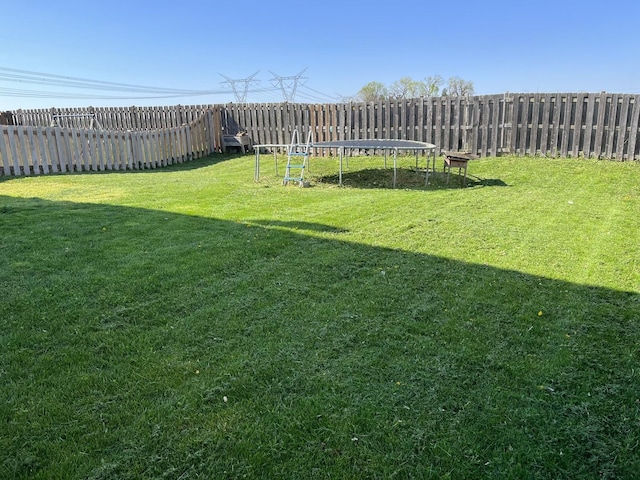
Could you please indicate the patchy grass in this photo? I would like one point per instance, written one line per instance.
(190, 323)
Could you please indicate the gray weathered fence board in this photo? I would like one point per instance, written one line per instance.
(52, 149)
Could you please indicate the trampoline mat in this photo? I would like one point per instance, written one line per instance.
(380, 143)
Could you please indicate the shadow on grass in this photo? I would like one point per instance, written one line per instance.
(217, 347)
(203, 162)
(406, 178)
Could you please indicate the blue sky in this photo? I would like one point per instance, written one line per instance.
(543, 46)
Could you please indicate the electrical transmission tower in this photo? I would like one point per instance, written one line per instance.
(288, 85)
(240, 93)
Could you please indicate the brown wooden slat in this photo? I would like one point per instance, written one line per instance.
(537, 101)
(454, 124)
(372, 121)
(568, 107)
(447, 125)
(486, 116)
(438, 131)
(396, 108)
(634, 135)
(515, 112)
(622, 134)
(524, 124)
(588, 124)
(614, 107)
(555, 126)
(600, 125)
(546, 114)
(429, 120)
(349, 122)
(496, 111)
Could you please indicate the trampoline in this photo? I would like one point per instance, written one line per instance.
(384, 145)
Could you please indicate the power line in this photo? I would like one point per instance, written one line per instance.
(14, 92)
(106, 90)
(332, 97)
(25, 76)
(316, 96)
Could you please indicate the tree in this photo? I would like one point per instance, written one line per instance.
(431, 86)
(457, 87)
(406, 87)
(373, 92)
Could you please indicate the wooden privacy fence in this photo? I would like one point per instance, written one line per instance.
(113, 118)
(26, 150)
(599, 125)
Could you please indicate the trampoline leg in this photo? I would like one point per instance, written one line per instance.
(395, 156)
(340, 176)
(275, 159)
(256, 172)
(426, 178)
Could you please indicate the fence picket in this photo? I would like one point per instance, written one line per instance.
(25, 159)
(14, 150)
(74, 149)
(622, 127)
(486, 124)
(611, 126)
(600, 126)
(5, 132)
(123, 150)
(154, 147)
(33, 150)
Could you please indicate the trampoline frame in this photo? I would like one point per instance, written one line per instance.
(386, 145)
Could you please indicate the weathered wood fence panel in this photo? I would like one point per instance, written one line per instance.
(599, 125)
(45, 141)
(43, 150)
(114, 118)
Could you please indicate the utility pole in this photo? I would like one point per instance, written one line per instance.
(241, 94)
(288, 85)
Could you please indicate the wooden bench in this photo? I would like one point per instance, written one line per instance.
(457, 160)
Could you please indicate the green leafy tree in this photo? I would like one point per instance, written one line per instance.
(406, 87)
(373, 92)
(431, 86)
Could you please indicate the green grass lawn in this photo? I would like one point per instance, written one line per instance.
(189, 323)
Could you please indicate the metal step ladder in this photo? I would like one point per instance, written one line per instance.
(298, 157)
